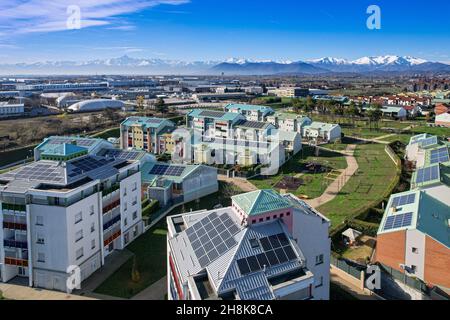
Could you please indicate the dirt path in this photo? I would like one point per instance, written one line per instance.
(242, 184)
(336, 186)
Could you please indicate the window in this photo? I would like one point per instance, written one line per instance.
(125, 207)
(124, 192)
(78, 217)
(92, 227)
(79, 253)
(41, 257)
(288, 214)
(135, 186)
(40, 238)
(91, 210)
(125, 222)
(319, 282)
(275, 216)
(253, 221)
(319, 259)
(268, 219)
(415, 250)
(135, 232)
(261, 220)
(93, 244)
(134, 201)
(135, 215)
(39, 220)
(281, 216)
(79, 236)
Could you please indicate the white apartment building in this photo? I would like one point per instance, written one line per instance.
(55, 215)
(264, 247)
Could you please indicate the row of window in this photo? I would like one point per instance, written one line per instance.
(274, 217)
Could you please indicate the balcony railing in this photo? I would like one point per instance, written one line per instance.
(108, 241)
(112, 206)
(14, 207)
(15, 244)
(110, 223)
(14, 226)
(113, 188)
(16, 262)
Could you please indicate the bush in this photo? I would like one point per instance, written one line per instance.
(368, 228)
(150, 209)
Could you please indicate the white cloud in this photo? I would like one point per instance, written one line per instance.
(28, 16)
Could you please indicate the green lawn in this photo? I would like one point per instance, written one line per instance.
(403, 138)
(150, 250)
(315, 183)
(442, 132)
(376, 173)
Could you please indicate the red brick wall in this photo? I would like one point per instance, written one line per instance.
(391, 249)
(437, 263)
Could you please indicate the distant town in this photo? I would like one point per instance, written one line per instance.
(229, 188)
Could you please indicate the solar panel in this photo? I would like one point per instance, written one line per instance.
(167, 170)
(77, 141)
(38, 172)
(398, 221)
(404, 200)
(252, 124)
(427, 174)
(439, 156)
(125, 155)
(212, 240)
(212, 114)
(428, 142)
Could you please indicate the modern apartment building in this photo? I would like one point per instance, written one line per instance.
(289, 122)
(289, 92)
(264, 247)
(145, 134)
(323, 132)
(11, 110)
(59, 214)
(250, 112)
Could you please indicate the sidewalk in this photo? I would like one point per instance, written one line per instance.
(156, 291)
(16, 292)
(336, 186)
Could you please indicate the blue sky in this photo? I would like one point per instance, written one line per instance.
(35, 30)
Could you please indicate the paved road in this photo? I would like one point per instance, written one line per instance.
(336, 186)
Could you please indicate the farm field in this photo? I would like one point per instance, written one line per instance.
(314, 183)
(369, 186)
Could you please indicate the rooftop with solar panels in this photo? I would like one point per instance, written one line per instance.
(216, 251)
(417, 210)
(434, 174)
(61, 175)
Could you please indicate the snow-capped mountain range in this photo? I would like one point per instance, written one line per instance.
(233, 66)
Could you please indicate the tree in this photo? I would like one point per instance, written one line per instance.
(161, 106)
(140, 103)
(374, 113)
(310, 104)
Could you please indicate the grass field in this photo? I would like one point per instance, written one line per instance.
(150, 250)
(366, 188)
(315, 183)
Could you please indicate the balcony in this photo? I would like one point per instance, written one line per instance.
(113, 188)
(14, 226)
(16, 262)
(108, 241)
(14, 207)
(111, 206)
(15, 244)
(110, 223)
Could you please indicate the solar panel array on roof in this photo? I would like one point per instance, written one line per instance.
(167, 170)
(38, 172)
(212, 237)
(79, 142)
(427, 174)
(87, 164)
(277, 250)
(252, 124)
(439, 155)
(398, 221)
(212, 114)
(125, 155)
(404, 200)
(429, 142)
